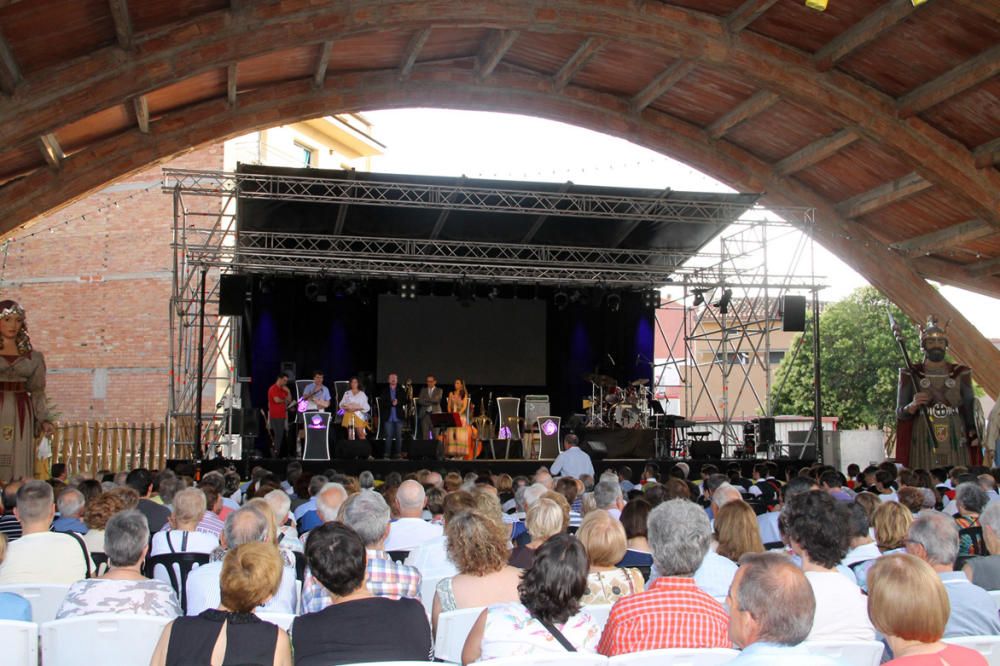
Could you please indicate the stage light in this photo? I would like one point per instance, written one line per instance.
(614, 302)
(699, 297)
(316, 291)
(818, 5)
(492, 294)
(465, 292)
(651, 298)
(408, 290)
(266, 284)
(560, 300)
(723, 304)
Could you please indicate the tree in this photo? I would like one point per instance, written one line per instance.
(859, 363)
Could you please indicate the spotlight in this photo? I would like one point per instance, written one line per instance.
(465, 292)
(614, 302)
(651, 298)
(579, 297)
(723, 304)
(819, 5)
(560, 300)
(408, 290)
(699, 297)
(266, 284)
(316, 291)
(492, 294)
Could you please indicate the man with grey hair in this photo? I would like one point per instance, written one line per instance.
(608, 496)
(673, 612)
(573, 461)
(410, 530)
(723, 495)
(969, 498)
(368, 514)
(248, 525)
(985, 571)
(933, 537)
(42, 556)
(329, 500)
(70, 504)
(771, 608)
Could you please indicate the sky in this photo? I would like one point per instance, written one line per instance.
(511, 147)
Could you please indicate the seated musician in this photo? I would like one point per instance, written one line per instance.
(355, 407)
(316, 397)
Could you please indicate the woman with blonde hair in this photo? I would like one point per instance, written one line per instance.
(477, 544)
(909, 606)
(98, 512)
(891, 521)
(604, 539)
(736, 530)
(545, 518)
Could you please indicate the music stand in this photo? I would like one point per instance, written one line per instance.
(317, 444)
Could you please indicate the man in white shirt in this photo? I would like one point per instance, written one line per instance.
(573, 461)
(244, 526)
(41, 556)
(410, 530)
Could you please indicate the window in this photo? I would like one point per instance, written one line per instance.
(776, 357)
(307, 154)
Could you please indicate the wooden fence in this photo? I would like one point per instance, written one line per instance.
(89, 447)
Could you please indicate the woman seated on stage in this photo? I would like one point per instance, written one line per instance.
(355, 407)
(458, 441)
(604, 539)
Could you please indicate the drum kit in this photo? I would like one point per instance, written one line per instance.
(614, 406)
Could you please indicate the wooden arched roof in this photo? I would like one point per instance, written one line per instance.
(883, 116)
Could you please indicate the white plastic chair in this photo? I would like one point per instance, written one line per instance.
(45, 600)
(859, 653)
(553, 659)
(996, 597)
(19, 641)
(676, 657)
(452, 630)
(104, 638)
(283, 620)
(427, 588)
(988, 646)
(599, 612)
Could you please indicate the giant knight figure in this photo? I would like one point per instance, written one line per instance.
(948, 434)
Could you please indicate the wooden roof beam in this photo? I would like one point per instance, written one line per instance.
(747, 13)
(987, 154)
(967, 75)
(10, 72)
(494, 50)
(945, 238)
(758, 103)
(576, 62)
(883, 195)
(319, 76)
(863, 32)
(412, 52)
(659, 86)
(984, 268)
(51, 150)
(231, 72)
(141, 107)
(816, 152)
(123, 22)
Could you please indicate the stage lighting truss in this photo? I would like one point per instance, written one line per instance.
(408, 290)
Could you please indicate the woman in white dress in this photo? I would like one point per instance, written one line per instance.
(355, 406)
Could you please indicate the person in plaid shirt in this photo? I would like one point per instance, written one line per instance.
(368, 514)
(673, 612)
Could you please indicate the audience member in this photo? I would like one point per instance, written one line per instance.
(544, 477)
(327, 502)
(908, 604)
(141, 481)
(70, 504)
(724, 494)
(90, 488)
(970, 500)
(815, 524)
(367, 514)
(123, 588)
(337, 558)
(933, 538)
(673, 612)
(985, 571)
(770, 531)
(567, 487)
(230, 633)
(181, 535)
(634, 516)
(478, 547)
(213, 485)
(411, 530)
(605, 541)
(432, 559)
(832, 482)
(98, 512)
(572, 461)
(548, 616)
(771, 610)
(891, 522)
(288, 536)
(305, 513)
(736, 530)
(545, 519)
(9, 525)
(42, 556)
(248, 525)
(12, 606)
(862, 551)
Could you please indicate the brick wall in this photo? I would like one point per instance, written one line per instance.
(97, 296)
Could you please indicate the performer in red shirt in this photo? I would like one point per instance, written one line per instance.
(278, 399)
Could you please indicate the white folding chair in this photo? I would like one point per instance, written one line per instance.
(104, 638)
(553, 659)
(20, 642)
(861, 653)
(599, 612)
(996, 597)
(988, 646)
(676, 657)
(283, 620)
(452, 630)
(45, 600)
(427, 588)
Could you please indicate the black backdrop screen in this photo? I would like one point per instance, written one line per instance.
(499, 342)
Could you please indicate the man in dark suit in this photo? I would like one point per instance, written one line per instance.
(428, 402)
(392, 405)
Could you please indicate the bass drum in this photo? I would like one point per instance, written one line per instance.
(631, 417)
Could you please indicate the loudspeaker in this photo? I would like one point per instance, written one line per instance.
(793, 313)
(421, 449)
(765, 430)
(350, 449)
(233, 294)
(496, 449)
(288, 369)
(596, 450)
(245, 422)
(711, 448)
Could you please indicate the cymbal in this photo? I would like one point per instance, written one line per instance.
(642, 381)
(602, 380)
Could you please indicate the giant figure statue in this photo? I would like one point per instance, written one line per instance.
(935, 408)
(23, 409)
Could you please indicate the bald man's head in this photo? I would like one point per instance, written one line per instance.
(770, 601)
(411, 499)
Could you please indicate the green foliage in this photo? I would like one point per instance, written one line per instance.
(859, 363)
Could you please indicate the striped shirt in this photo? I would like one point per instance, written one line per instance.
(673, 613)
(384, 578)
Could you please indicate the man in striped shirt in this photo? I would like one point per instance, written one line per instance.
(673, 612)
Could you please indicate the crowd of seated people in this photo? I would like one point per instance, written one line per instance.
(722, 561)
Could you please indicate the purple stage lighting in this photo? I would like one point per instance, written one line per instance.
(549, 427)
